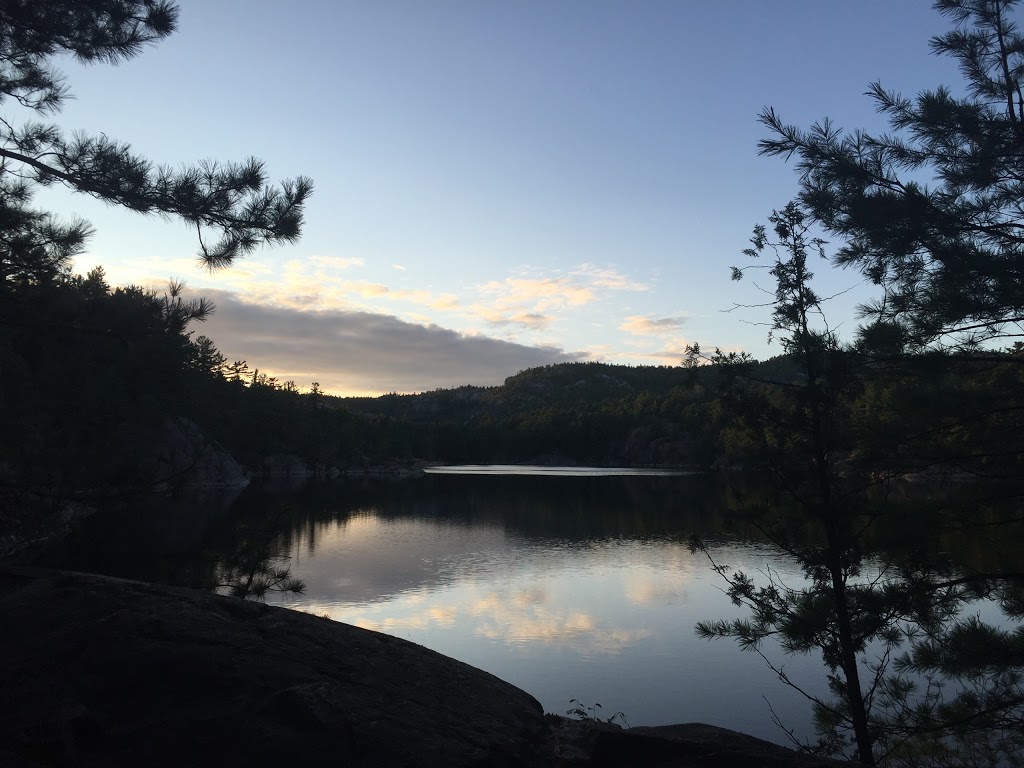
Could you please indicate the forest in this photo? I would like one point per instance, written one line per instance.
(97, 380)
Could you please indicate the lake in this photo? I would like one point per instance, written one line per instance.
(570, 585)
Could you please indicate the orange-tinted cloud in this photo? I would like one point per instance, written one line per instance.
(644, 325)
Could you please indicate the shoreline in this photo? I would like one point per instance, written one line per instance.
(107, 671)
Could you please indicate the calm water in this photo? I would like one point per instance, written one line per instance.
(605, 617)
(547, 471)
(567, 586)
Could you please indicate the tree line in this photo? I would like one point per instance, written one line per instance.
(928, 387)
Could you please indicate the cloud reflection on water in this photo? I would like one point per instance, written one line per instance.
(441, 616)
(530, 616)
(418, 578)
(578, 588)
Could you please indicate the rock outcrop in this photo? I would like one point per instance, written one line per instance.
(285, 465)
(97, 671)
(185, 458)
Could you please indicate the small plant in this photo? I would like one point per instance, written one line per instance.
(253, 580)
(590, 714)
(255, 570)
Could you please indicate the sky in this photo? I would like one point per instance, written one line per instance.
(499, 185)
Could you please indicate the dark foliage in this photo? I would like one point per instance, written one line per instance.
(230, 205)
(931, 212)
(829, 433)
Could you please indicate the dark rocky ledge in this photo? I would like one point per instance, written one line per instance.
(100, 671)
(96, 671)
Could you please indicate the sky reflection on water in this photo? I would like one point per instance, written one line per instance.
(607, 621)
(603, 613)
(568, 587)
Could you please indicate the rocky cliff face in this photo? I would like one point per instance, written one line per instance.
(185, 458)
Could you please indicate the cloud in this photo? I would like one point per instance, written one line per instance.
(651, 326)
(673, 354)
(599, 352)
(540, 293)
(339, 293)
(299, 290)
(320, 283)
(532, 320)
(608, 278)
(332, 262)
(351, 351)
(531, 302)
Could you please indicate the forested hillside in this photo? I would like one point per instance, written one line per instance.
(96, 374)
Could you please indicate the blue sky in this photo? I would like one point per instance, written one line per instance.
(498, 184)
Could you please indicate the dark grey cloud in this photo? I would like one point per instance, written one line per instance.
(363, 351)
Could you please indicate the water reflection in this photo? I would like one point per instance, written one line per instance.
(569, 588)
(544, 470)
(585, 590)
(607, 618)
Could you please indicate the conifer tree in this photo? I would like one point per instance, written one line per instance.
(795, 426)
(230, 205)
(907, 672)
(931, 211)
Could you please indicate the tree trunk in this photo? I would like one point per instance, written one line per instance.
(834, 541)
(848, 657)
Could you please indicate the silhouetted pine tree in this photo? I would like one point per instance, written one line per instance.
(230, 205)
(931, 212)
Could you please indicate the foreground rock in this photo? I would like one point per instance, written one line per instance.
(98, 671)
